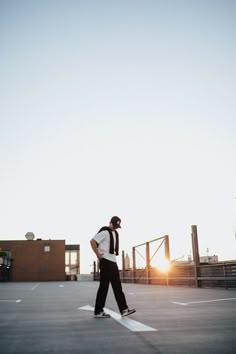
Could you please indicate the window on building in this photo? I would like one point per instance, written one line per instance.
(72, 261)
(73, 257)
(67, 257)
(46, 248)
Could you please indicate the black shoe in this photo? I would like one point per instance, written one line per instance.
(127, 312)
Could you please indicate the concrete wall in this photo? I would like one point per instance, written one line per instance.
(32, 263)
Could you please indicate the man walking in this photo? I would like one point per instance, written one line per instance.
(105, 245)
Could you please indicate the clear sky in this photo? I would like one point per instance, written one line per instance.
(119, 108)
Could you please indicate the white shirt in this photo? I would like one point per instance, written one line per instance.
(103, 240)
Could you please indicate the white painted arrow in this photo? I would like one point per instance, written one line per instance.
(133, 325)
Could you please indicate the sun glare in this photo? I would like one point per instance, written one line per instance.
(163, 265)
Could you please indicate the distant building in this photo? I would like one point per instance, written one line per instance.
(209, 259)
(38, 260)
(127, 262)
(72, 260)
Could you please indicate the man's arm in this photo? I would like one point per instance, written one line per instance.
(95, 249)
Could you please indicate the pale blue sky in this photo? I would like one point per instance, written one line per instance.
(119, 107)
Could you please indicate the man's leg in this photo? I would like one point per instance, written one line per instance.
(117, 288)
(103, 287)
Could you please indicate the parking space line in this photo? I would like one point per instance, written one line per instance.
(132, 325)
(202, 301)
(34, 287)
(10, 300)
(142, 292)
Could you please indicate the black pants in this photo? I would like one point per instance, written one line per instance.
(109, 273)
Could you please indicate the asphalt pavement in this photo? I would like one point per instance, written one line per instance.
(57, 317)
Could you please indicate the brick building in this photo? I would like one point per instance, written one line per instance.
(39, 260)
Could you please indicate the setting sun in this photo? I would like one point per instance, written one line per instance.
(163, 265)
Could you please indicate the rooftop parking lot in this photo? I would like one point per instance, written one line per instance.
(57, 317)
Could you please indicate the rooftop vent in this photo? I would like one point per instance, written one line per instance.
(29, 236)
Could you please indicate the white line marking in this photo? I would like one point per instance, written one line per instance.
(10, 300)
(133, 325)
(179, 303)
(34, 287)
(61, 286)
(86, 308)
(143, 292)
(199, 302)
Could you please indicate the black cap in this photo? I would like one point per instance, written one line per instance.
(116, 222)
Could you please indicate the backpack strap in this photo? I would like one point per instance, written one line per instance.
(112, 250)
